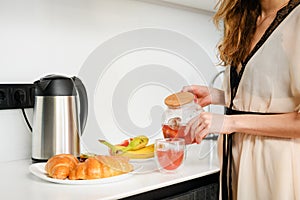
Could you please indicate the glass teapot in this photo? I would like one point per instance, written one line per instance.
(181, 108)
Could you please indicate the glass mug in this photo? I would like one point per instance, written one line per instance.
(169, 154)
(181, 109)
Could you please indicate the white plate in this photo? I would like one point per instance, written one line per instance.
(38, 169)
(147, 167)
(141, 160)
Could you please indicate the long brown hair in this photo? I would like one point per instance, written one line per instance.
(239, 18)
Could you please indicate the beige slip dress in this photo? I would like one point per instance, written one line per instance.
(268, 168)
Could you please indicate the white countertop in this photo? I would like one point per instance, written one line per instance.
(18, 183)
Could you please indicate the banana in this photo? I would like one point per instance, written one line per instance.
(143, 153)
(136, 149)
(114, 149)
(137, 143)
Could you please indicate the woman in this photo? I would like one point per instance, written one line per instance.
(260, 132)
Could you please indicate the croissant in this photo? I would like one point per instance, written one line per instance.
(99, 166)
(60, 166)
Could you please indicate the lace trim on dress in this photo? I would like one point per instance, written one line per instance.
(280, 16)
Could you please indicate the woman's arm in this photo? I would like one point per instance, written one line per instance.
(280, 125)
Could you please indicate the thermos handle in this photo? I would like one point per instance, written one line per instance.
(83, 99)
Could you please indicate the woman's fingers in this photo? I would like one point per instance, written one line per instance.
(190, 126)
(203, 129)
(202, 95)
(199, 127)
(189, 88)
(201, 135)
(195, 126)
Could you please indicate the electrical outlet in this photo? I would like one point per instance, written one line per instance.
(3, 97)
(14, 96)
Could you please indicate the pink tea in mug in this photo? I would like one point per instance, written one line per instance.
(169, 154)
(170, 159)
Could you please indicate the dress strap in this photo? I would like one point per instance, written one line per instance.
(227, 138)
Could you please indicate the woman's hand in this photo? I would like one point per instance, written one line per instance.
(205, 95)
(205, 123)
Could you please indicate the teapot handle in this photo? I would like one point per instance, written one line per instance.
(83, 99)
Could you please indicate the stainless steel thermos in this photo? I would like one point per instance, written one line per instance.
(59, 116)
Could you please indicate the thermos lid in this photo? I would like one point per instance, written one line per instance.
(55, 85)
(179, 99)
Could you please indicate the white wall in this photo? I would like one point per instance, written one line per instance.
(40, 37)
